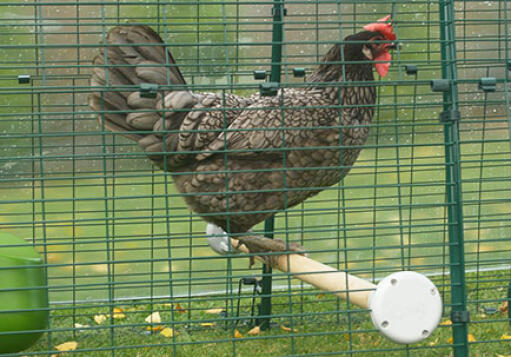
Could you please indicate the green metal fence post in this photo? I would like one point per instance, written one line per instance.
(276, 64)
(450, 117)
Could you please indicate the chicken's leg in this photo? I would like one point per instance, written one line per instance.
(259, 244)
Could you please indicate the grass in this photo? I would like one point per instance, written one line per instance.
(321, 325)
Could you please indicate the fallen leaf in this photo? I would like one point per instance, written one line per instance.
(118, 313)
(154, 318)
(433, 343)
(237, 334)
(504, 307)
(67, 346)
(99, 319)
(214, 311)
(208, 324)
(254, 331)
(505, 337)
(154, 328)
(470, 337)
(446, 323)
(77, 325)
(288, 329)
(180, 309)
(167, 332)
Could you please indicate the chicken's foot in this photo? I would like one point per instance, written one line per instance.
(258, 244)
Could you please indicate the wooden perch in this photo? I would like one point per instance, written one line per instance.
(322, 276)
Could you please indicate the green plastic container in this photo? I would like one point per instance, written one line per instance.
(23, 296)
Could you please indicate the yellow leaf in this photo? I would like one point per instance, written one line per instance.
(237, 334)
(504, 307)
(167, 305)
(505, 337)
(214, 311)
(446, 323)
(167, 332)
(433, 343)
(154, 328)
(179, 308)
(320, 296)
(99, 319)
(77, 325)
(208, 324)
(255, 331)
(118, 313)
(288, 329)
(154, 318)
(471, 338)
(67, 346)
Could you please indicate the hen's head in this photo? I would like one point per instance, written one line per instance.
(373, 44)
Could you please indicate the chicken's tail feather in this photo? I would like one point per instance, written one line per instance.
(132, 55)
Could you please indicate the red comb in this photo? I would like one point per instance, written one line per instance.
(383, 27)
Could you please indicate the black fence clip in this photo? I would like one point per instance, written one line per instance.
(269, 89)
(299, 72)
(148, 90)
(24, 79)
(460, 317)
(411, 69)
(440, 85)
(273, 13)
(260, 74)
(450, 115)
(488, 84)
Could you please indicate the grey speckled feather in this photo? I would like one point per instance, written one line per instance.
(267, 153)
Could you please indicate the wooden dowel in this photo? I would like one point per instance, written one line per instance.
(323, 277)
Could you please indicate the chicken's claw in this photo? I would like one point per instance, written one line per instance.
(258, 244)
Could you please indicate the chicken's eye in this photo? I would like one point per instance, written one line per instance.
(375, 42)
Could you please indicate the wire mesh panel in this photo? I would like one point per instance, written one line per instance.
(128, 267)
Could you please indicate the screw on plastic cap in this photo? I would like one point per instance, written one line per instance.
(406, 307)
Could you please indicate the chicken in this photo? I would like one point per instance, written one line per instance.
(239, 160)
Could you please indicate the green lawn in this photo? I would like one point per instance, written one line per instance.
(321, 325)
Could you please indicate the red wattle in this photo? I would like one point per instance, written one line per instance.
(383, 63)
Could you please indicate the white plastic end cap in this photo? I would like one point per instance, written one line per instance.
(218, 240)
(406, 307)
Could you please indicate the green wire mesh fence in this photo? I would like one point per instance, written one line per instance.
(127, 268)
